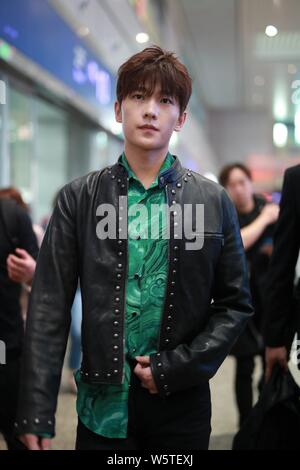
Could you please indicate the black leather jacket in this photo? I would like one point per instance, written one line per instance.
(207, 302)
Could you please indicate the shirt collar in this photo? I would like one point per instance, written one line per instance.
(167, 163)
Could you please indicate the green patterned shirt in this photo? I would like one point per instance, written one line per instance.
(104, 408)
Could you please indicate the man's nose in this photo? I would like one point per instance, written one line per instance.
(151, 109)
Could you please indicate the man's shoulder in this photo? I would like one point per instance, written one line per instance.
(206, 185)
(88, 182)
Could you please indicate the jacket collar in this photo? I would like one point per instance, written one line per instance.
(170, 175)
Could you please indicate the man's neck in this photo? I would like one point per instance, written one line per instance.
(145, 163)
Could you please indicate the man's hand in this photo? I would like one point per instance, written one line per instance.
(270, 213)
(21, 268)
(144, 373)
(274, 356)
(33, 442)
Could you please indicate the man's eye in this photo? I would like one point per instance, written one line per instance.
(167, 100)
(138, 96)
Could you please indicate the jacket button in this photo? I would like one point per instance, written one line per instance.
(119, 181)
(24, 421)
(116, 371)
(118, 287)
(120, 266)
(189, 174)
(185, 179)
(174, 202)
(173, 283)
(120, 253)
(116, 347)
(115, 359)
(37, 421)
(108, 374)
(117, 311)
(167, 340)
(173, 191)
(162, 376)
(172, 294)
(136, 276)
(112, 177)
(174, 271)
(16, 425)
(171, 306)
(175, 260)
(119, 276)
(178, 185)
(117, 299)
(169, 317)
(50, 422)
(168, 393)
(96, 374)
(168, 328)
(116, 323)
(122, 186)
(176, 247)
(120, 242)
(158, 354)
(159, 364)
(174, 213)
(166, 387)
(116, 335)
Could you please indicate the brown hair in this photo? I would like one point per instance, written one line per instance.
(152, 66)
(13, 193)
(225, 172)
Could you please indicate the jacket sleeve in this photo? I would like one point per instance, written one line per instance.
(189, 364)
(282, 265)
(48, 320)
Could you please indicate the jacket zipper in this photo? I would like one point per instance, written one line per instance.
(124, 300)
(168, 278)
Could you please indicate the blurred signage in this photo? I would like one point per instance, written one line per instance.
(35, 29)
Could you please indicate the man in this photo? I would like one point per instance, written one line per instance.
(18, 250)
(256, 219)
(158, 319)
(282, 318)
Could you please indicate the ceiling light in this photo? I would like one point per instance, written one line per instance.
(271, 31)
(83, 31)
(141, 38)
(280, 134)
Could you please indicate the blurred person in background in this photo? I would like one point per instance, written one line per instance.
(18, 252)
(256, 218)
(22, 260)
(159, 317)
(283, 307)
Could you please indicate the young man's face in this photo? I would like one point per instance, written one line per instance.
(148, 122)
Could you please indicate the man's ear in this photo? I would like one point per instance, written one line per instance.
(180, 122)
(118, 112)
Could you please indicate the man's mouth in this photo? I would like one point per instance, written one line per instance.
(148, 127)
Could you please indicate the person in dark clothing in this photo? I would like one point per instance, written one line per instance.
(256, 219)
(18, 246)
(282, 312)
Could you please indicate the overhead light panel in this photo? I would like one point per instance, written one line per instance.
(83, 31)
(280, 134)
(142, 38)
(271, 31)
